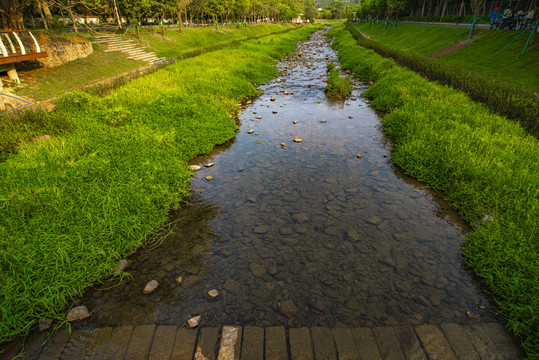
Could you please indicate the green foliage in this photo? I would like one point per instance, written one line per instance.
(484, 164)
(74, 204)
(337, 87)
(505, 98)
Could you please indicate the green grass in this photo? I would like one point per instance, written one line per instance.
(484, 55)
(46, 83)
(485, 165)
(73, 205)
(337, 87)
(174, 44)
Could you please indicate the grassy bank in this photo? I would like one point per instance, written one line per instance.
(45, 83)
(485, 164)
(516, 102)
(74, 204)
(484, 55)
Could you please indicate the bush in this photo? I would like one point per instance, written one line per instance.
(337, 87)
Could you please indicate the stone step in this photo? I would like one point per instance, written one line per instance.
(447, 341)
(143, 57)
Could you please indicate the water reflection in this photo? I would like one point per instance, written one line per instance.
(306, 233)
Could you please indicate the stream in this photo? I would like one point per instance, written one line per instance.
(323, 232)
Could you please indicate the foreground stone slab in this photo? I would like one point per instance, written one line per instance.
(346, 345)
(98, 343)
(252, 347)
(366, 344)
(410, 343)
(459, 341)
(76, 345)
(301, 347)
(276, 348)
(118, 341)
(229, 348)
(435, 343)
(55, 345)
(141, 341)
(184, 345)
(163, 342)
(388, 343)
(324, 348)
(207, 344)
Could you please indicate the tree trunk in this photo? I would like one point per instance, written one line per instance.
(443, 10)
(12, 14)
(43, 18)
(180, 25)
(423, 8)
(72, 16)
(462, 8)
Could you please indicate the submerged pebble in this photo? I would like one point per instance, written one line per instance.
(151, 286)
(195, 167)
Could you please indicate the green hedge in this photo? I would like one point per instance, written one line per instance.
(515, 102)
(485, 164)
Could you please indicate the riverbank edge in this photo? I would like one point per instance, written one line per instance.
(481, 161)
(134, 126)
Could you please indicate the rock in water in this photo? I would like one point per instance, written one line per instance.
(120, 266)
(209, 164)
(257, 269)
(193, 322)
(209, 178)
(179, 279)
(289, 309)
(44, 324)
(298, 140)
(213, 293)
(250, 131)
(194, 167)
(78, 313)
(150, 287)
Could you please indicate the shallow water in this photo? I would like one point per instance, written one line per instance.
(306, 233)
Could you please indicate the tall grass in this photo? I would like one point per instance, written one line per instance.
(338, 87)
(73, 205)
(485, 164)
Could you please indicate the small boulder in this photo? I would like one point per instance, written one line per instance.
(194, 321)
(289, 309)
(209, 164)
(298, 140)
(195, 167)
(77, 313)
(209, 178)
(120, 266)
(213, 294)
(151, 286)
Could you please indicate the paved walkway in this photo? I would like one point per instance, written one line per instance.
(447, 341)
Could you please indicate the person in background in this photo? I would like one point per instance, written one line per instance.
(520, 19)
(528, 19)
(506, 17)
(493, 16)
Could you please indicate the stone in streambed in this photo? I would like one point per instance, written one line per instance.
(298, 140)
(318, 303)
(194, 321)
(120, 266)
(250, 131)
(195, 167)
(77, 313)
(151, 286)
(209, 164)
(209, 178)
(213, 294)
(257, 269)
(289, 309)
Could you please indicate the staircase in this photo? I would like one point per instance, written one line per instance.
(130, 47)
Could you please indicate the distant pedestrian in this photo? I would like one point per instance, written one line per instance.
(520, 19)
(493, 16)
(528, 19)
(507, 18)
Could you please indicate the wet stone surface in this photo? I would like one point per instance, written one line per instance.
(306, 233)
